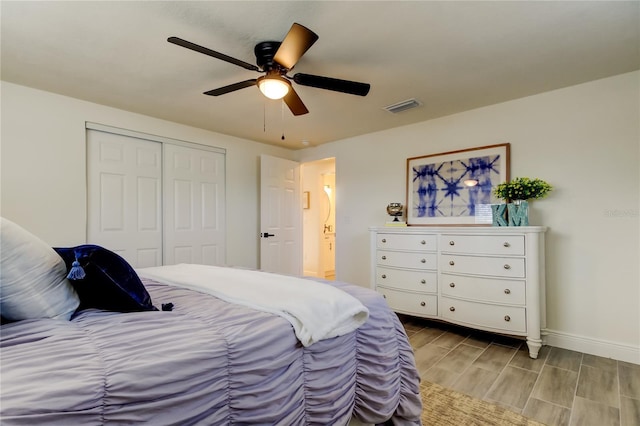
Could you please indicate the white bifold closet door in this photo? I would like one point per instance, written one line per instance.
(155, 203)
(124, 196)
(194, 206)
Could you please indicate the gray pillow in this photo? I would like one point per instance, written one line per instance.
(33, 277)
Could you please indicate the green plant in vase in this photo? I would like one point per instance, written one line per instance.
(522, 188)
(518, 191)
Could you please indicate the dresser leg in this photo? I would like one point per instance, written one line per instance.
(534, 347)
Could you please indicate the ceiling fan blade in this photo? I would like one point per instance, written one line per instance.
(212, 53)
(297, 41)
(231, 88)
(337, 85)
(294, 103)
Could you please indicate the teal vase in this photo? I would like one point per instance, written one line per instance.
(518, 213)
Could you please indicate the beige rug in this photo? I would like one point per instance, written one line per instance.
(445, 407)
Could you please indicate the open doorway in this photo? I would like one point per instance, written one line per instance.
(319, 218)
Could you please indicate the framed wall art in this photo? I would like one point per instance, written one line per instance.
(456, 187)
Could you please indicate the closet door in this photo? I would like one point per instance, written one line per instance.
(124, 203)
(194, 213)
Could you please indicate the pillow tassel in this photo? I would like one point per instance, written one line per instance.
(76, 272)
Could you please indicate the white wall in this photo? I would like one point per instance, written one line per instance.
(43, 167)
(584, 140)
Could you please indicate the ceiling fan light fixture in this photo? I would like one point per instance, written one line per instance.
(273, 87)
(275, 59)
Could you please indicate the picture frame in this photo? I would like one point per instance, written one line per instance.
(306, 203)
(438, 195)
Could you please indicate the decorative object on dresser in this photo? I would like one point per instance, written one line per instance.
(488, 278)
(499, 215)
(518, 213)
(440, 189)
(395, 211)
(518, 191)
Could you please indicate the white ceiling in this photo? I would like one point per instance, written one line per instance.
(450, 55)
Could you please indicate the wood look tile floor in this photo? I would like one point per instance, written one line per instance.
(561, 387)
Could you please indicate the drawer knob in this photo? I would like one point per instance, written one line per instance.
(423, 242)
(384, 240)
(506, 244)
(384, 257)
(384, 295)
(423, 260)
(507, 318)
(452, 243)
(385, 276)
(423, 281)
(507, 291)
(452, 285)
(451, 262)
(423, 303)
(452, 309)
(507, 266)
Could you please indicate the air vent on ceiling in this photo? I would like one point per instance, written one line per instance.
(403, 106)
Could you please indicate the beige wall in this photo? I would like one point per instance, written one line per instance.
(585, 141)
(43, 170)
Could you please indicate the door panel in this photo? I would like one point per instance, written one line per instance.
(194, 182)
(280, 216)
(112, 201)
(123, 197)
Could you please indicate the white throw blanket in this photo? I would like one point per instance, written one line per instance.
(317, 311)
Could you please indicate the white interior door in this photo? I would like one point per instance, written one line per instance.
(194, 213)
(280, 216)
(124, 203)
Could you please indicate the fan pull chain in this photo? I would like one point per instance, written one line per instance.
(264, 116)
(282, 114)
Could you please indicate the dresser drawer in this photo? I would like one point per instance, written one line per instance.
(416, 260)
(406, 242)
(399, 259)
(507, 319)
(410, 303)
(508, 267)
(505, 245)
(421, 281)
(484, 289)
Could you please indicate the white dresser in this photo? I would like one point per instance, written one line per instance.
(488, 278)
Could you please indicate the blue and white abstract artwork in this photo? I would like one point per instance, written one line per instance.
(437, 192)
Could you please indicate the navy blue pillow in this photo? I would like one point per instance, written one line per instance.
(110, 283)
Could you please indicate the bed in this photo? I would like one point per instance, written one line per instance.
(203, 360)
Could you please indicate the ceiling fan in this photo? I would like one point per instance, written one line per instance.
(275, 59)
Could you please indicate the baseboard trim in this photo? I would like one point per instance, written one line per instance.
(588, 345)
